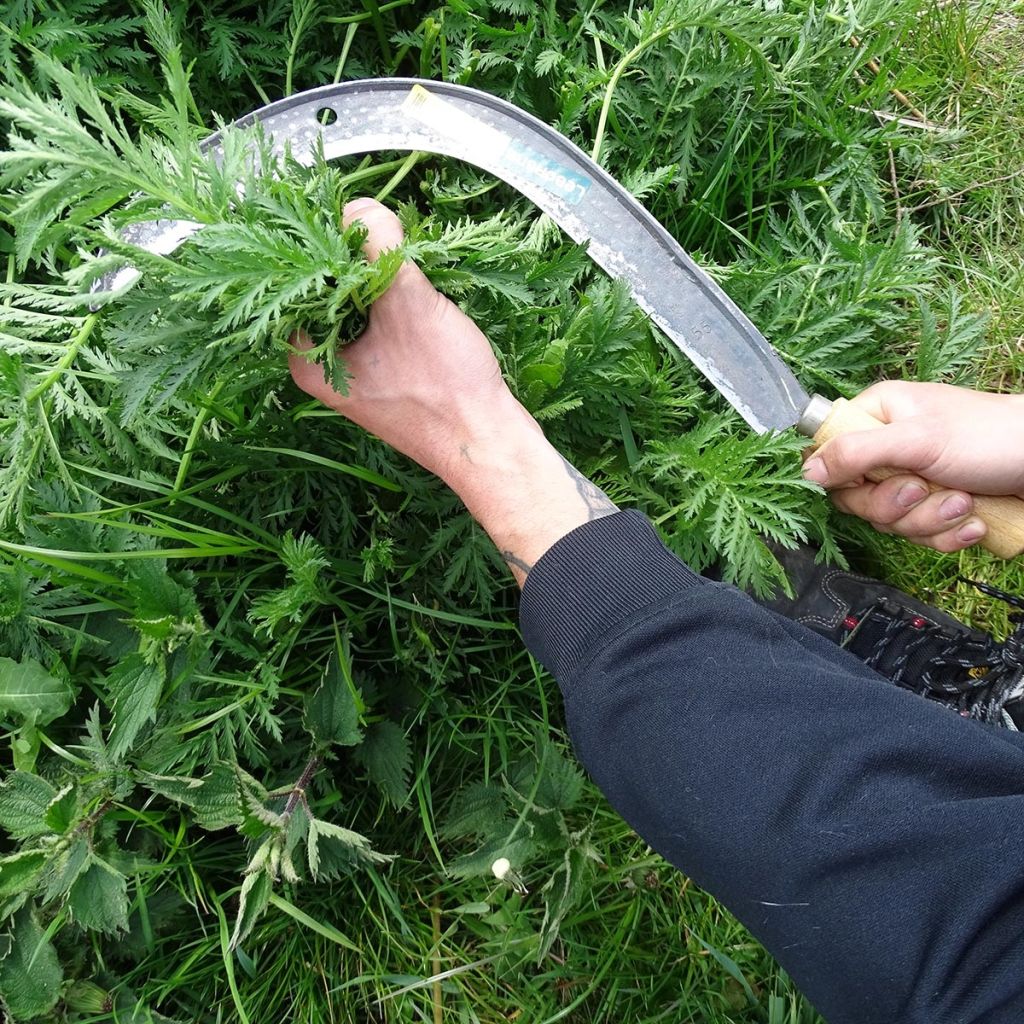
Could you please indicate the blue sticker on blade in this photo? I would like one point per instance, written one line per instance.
(562, 181)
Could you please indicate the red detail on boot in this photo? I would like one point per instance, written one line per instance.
(850, 622)
(918, 622)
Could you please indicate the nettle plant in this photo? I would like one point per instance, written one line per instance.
(224, 612)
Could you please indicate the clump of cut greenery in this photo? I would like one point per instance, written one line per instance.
(270, 722)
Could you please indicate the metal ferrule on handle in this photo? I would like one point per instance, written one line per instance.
(817, 410)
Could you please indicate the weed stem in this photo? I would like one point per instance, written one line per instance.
(67, 359)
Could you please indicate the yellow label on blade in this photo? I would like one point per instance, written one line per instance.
(445, 118)
(489, 146)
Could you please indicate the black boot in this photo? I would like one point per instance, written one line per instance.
(918, 647)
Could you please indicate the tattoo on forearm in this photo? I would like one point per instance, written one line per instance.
(597, 502)
(516, 562)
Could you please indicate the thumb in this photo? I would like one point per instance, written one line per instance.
(908, 446)
(383, 228)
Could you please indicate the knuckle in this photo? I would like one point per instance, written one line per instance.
(842, 501)
(883, 389)
(884, 509)
(923, 442)
(885, 512)
(945, 542)
(838, 454)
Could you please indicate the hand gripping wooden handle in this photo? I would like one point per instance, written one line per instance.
(1004, 516)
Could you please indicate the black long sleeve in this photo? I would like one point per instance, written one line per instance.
(873, 841)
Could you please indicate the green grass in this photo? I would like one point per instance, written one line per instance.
(747, 136)
(972, 59)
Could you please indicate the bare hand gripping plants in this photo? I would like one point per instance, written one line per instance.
(591, 207)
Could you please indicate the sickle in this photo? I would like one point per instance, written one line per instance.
(579, 196)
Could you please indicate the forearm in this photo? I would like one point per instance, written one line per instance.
(517, 486)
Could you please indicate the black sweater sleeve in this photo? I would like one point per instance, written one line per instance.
(873, 841)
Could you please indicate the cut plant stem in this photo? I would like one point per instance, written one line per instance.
(876, 70)
(298, 791)
(88, 324)
(197, 425)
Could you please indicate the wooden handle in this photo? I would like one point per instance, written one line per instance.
(1004, 516)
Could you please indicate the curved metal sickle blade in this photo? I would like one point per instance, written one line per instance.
(581, 198)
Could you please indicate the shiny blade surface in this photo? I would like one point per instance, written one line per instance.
(581, 198)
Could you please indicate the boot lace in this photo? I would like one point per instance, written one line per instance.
(991, 672)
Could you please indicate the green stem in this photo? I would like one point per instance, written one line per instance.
(613, 82)
(372, 171)
(407, 165)
(350, 34)
(300, 26)
(355, 19)
(190, 445)
(67, 359)
(378, 23)
(828, 202)
(255, 83)
(44, 416)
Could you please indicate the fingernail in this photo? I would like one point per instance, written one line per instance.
(972, 530)
(910, 494)
(955, 506)
(816, 471)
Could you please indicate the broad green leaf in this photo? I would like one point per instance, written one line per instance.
(563, 890)
(252, 902)
(477, 811)
(20, 871)
(520, 851)
(99, 898)
(30, 692)
(64, 869)
(332, 714)
(388, 758)
(23, 802)
(214, 798)
(160, 603)
(134, 688)
(61, 811)
(30, 975)
(257, 817)
(561, 784)
(331, 847)
(25, 746)
(216, 805)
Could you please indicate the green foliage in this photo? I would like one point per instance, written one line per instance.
(30, 973)
(32, 697)
(134, 689)
(243, 646)
(332, 709)
(98, 899)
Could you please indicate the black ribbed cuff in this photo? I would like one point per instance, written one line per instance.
(590, 580)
